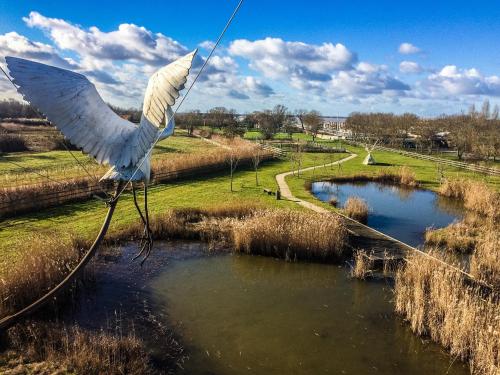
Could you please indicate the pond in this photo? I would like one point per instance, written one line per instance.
(400, 212)
(240, 314)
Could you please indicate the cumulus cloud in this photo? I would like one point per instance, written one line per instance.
(408, 49)
(276, 58)
(366, 79)
(258, 87)
(451, 80)
(207, 44)
(13, 44)
(128, 42)
(410, 67)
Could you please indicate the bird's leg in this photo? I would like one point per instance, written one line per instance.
(145, 235)
(149, 231)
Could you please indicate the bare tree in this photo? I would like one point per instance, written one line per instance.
(312, 121)
(300, 113)
(234, 158)
(256, 158)
(220, 117)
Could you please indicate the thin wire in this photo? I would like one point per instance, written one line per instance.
(146, 155)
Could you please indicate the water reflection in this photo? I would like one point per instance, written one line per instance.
(399, 212)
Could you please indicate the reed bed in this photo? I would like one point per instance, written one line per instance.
(46, 260)
(461, 236)
(437, 302)
(485, 261)
(399, 176)
(357, 209)
(476, 195)
(39, 347)
(291, 235)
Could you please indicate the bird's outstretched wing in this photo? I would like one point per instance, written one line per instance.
(71, 102)
(163, 90)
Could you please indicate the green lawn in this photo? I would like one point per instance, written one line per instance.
(61, 165)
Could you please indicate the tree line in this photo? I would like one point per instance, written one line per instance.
(269, 121)
(475, 133)
(11, 108)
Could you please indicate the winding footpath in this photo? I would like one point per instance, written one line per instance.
(362, 237)
(287, 194)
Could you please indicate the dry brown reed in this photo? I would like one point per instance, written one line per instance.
(291, 235)
(476, 195)
(461, 236)
(485, 261)
(46, 260)
(357, 209)
(362, 265)
(72, 350)
(400, 176)
(437, 302)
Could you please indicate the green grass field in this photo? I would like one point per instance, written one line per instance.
(61, 165)
(85, 218)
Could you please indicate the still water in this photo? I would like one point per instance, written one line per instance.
(399, 212)
(255, 315)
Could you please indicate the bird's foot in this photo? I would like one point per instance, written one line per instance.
(145, 245)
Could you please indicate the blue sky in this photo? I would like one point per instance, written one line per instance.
(428, 57)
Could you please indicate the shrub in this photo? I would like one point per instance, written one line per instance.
(12, 143)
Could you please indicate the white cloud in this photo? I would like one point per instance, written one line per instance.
(451, 80)
(410, 67)
(207, 44)
(129, 42)
(13, 44)
(276, 58)
(366, 79)
(408, 49)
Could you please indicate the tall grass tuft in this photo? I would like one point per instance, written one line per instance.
(291, 235)
(357, 209)
(437, 302)
(362, 265)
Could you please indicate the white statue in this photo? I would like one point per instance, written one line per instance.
(71, 102)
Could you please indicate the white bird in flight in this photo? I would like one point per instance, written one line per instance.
(71, 102)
